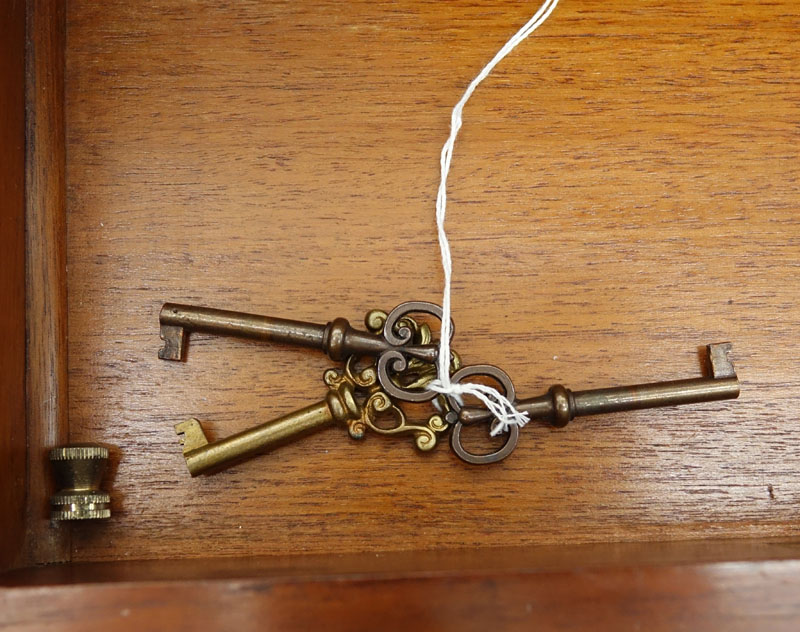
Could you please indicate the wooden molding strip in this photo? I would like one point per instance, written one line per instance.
(12, 282)
(46, 269)
(727, 596)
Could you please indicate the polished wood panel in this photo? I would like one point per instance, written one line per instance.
(692, 597)
(12, 281)
(47, 389)
(624, 190)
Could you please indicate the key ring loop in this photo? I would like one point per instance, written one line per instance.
(504, 380)
(395, 359)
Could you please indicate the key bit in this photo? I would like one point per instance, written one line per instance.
(79, 470)
(560, 405)
(354, 400)
(391, 337)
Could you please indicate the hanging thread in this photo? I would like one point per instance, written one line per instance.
(503, 410)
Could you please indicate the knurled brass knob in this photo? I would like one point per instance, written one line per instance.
(79, 470)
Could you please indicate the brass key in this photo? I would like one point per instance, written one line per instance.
(391, 338)
(354, 399)
(560, 405)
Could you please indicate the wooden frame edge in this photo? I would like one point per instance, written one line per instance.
(13, 458)
(46, 281)
(725, 596)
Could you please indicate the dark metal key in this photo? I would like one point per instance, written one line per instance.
(391, 339)
(560, 405)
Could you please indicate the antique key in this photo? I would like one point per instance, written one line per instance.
(403, 356)
(390, 338)
(354, 399)
(560, 405)
(403, 353)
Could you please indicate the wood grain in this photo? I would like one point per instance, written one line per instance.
(624, 191)
(12, 281)
(47, 389)
(692, 597)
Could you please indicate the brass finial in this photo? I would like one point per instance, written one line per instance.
(79, 471)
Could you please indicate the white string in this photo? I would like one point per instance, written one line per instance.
(499, 405)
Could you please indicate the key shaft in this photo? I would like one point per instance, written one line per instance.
(337, 338)
(561, 405)
(202, 456)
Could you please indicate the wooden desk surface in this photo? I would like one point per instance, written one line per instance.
(624, 191)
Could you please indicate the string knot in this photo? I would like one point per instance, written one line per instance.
(503, 410)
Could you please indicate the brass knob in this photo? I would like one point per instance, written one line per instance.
(79, 471)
